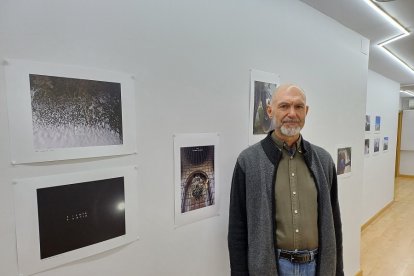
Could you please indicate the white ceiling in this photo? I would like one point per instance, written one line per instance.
(360, 17)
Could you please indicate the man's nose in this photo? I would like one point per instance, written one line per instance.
(292, 111)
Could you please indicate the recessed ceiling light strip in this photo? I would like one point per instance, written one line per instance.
(398, 59)
(387, 16)
(396, 24)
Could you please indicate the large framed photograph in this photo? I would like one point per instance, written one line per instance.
(59, 112)
(196, 177)
(63, 218)
(344, 161)
(262, 86)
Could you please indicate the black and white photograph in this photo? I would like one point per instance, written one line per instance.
(262, 86)
(366, 147)
(66, 217)
(385, 144)
(377, 144)
(344, 161)
(77, 215)
(68, 112)
(63, 112)
(196, 177)
(367, 123)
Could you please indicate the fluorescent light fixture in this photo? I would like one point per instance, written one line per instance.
(396, 58)
(386, 16)
(392, 21)
(407, 92)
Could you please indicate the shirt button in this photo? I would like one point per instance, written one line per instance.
(293, 174)
(296, 211)
(297, 230)
(294, 193)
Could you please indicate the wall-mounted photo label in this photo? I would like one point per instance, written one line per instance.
(196, 177)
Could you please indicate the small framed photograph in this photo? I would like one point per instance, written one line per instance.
(63, 218)
(60, 112)
(377, 124)
(196, 177)
(377, 141)
(366, 147)
(262, 86)
(385, 144)
(344, 161)
(367, 123)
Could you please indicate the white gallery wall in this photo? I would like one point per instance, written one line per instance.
(379, 168)
(191, 62)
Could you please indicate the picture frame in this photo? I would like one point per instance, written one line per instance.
(344, 161)
(196, 174)
(262, 86)
(61, 112)
(66, 217)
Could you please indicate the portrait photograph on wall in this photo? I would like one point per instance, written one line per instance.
(196, 193)
(367, 123)
(377, 141)
(62, 218)
(366, 147)
(262, 86)
(60, 112)
(377, 123)
(385, 144)
(344, 165)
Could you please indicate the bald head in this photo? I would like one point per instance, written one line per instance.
(288, 87)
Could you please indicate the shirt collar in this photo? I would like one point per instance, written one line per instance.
(282, 144)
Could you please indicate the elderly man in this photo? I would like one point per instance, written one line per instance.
(284, 214)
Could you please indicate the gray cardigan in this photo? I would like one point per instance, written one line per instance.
(251, 236)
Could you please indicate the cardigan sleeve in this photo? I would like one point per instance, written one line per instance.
(237, 232)
(337, 224)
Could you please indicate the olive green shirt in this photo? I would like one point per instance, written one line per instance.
(296, 200)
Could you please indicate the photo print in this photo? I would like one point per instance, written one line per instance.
(196, 177)
(367, 123)
(61, 112)
(84, 213)
(343, 166)
(262, 86)
(377, 123)
(68, 112)
(366, 147)
(385, 143)
(67, 217)
(263, 91)
(376, 144)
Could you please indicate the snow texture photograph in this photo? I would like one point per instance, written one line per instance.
(70, 112)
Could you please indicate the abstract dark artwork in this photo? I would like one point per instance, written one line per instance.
(70, 112)
(262, 124)
(78, 215)
(197, 177)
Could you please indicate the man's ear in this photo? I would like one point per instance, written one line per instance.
(307, 109)
(269, 110)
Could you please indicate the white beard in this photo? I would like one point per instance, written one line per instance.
(290, 131)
